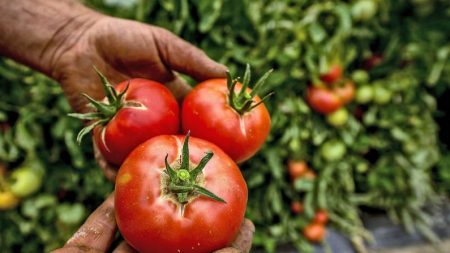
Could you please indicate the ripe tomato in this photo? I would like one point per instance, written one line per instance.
(228, 119)
(346, 92)
(310, 175)
(323, 100)
(338, 118)
(161, 204)
(321, 217)
(8, 200)
(297, 169)
(296, 207)
(314, 232)
(137, 110)
(333, 75)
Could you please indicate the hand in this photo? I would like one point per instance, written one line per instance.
(97, 233)
(124, 49)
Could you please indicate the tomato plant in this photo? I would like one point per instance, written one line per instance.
(228, 114)
(314, 232)
(135, 111)
(174, 197)
(323, 100)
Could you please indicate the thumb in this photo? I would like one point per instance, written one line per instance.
(183, 57)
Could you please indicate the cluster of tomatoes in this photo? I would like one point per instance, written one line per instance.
(315, 230)
(331, 95)
(179, 193)
(21, 183)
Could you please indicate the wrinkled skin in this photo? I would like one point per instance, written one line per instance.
(152, 220)
(207, 114)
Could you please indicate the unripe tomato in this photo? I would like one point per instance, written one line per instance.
(333, 150)
(25, 181)
(297, 207)
(8, 200)
(314, 232)
(338, 118)
(297, 169)
(323, 100)
(360, 76)
(321, 217)
(364, 94)
(333, 75)
(381, 95)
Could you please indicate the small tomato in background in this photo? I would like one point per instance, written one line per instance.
(314, 232)
(323, 100)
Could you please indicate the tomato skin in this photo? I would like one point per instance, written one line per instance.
(152, 222)
(346, 92)
(321, 217)
(207, 114)
(381, 95)
(333, 74)
(314, 232)
(364, 94)
(323, 100)
(333, 150)
(297, 169)
(132, 126)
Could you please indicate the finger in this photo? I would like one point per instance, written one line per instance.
(109, 170)
(228, 250)
(244, 238)
(124, 247)
(98, 231)
(183, 57)
(76, 249)
(178, 87)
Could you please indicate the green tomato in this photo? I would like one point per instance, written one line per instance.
(338, 118)
(333, 150)
(364, 10)
(364, 94)
(360, 76)
(381, 95)
(362, 167)
(25, 181)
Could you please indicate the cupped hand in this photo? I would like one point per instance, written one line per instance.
(124, 49)
(97, 233)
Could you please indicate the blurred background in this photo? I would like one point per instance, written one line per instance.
(379, 168)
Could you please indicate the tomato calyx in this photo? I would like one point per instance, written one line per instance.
(184, 182)
(104, 111)
(243, 101)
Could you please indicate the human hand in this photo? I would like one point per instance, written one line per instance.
(124, 49)
(97, 233)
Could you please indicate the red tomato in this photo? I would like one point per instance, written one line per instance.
(346, 92)
(154, 215)
(207, 113)
(323, 100)
(154, 112)
(314, 232)
(321, 217)
(296, 207)
(372, 61)
(297, 169)
(333, 75)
